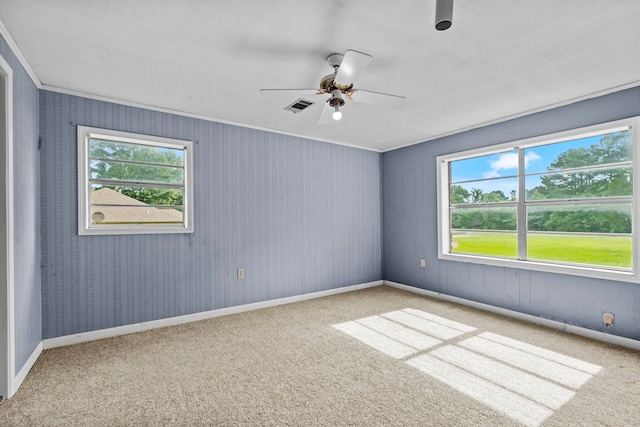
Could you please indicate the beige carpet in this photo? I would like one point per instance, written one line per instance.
(296, 365)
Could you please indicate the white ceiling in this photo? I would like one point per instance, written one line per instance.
(500, 59)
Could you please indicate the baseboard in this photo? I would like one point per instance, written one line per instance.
(178, 320)
(20, 377)
(577, 330)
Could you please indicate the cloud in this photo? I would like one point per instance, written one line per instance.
(508, 161)
(491, 174)
(530, 157)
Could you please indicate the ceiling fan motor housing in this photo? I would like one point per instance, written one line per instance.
(336, 99)
(328, 85)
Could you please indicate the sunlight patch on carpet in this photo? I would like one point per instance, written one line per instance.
(554, 371)
(522, 381)
(400, 333)
(430, 327)
(547, 354)
(376, 340)
(441, 320)
(529, 386)
(511, 404)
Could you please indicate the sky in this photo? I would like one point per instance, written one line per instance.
(504, 166)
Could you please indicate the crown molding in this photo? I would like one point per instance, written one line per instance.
(18, 53)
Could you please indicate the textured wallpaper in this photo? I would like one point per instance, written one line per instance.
(26, 161)
(298, 215)
(411, 233)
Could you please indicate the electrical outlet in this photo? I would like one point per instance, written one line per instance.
(241, 273)
(608, 319)
(423, 263)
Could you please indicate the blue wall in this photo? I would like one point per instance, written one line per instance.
(299, 216)
(410, 228)
(26, 212)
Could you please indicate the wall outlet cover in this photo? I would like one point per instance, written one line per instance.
(608, 319)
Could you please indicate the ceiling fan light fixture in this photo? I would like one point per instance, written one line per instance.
(444, 14)
(337, 114)
(336, 102)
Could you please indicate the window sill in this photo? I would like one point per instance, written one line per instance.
(591, 272)
(136, 229)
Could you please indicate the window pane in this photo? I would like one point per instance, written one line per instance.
(494, 218)
(117, 171)
(491, 166)
(583, 218)
(116, 195)
(487, 191)
(613, 250)
(596, 150)
(119, 205)
(603, 251)
(110, 150)
(587, 183)
(503, 245)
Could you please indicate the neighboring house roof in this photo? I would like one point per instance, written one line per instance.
(132, 212)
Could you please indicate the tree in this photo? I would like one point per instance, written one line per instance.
(476, 195)
(580, 221)
(539, 192)
(459, 195)
(494, 196)
(612, 148)
(484, 219)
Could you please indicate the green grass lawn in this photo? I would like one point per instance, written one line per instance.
(610, 251)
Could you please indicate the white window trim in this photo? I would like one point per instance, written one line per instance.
(84, 197)
(586, 271)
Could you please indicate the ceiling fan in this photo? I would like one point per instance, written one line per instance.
(340, 87)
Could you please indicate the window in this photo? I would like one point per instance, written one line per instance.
(133, 184)
(563, 203)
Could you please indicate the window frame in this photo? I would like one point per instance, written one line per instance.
(443, 203)
(85, 133)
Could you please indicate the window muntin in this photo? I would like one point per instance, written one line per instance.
(574, 214)
(133, 184)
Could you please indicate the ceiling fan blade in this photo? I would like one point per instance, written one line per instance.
(351, 64)
(326, 115)
(378, 99)
(288, 91)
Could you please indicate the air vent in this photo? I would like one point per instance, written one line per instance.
(298, 105)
